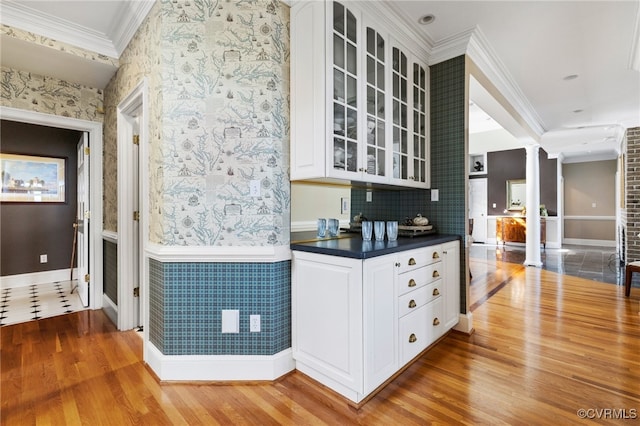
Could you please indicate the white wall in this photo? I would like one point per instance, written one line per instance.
(311, 201)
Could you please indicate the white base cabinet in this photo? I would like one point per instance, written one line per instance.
(358, 322)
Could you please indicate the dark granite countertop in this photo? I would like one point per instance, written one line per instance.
(352, 245)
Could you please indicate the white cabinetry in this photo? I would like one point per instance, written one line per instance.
(356, 323)
(359, 108)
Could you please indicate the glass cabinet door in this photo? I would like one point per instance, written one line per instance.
(419, 123)
(345, 90)
(400, 123)
(376, 123)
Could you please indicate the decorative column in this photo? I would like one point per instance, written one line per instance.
(533, 206)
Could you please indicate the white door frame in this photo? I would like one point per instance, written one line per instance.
(95, 182)
(133, 107)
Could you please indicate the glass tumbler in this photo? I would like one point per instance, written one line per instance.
(333, 227)
(392, 230)
(322, 228)
(367, 228)
(378, 230)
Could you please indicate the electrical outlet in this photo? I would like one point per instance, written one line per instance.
(43, 258)
(254, 323)
(369, 196)
(254, 188)
(344, 205)
(435, 195)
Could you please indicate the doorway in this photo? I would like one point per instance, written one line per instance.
(94, 187)
(478, 209)
(132, 211)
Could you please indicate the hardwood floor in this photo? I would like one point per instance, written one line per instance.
(545, 346)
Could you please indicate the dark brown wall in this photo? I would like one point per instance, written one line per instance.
(32, 229)
(512, 164)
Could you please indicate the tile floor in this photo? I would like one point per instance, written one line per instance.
(21, 304)
(590, 262)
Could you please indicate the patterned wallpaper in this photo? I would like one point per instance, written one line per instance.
(219, 121)
(57, 45)
(32, 92)
(27, 91)
(141, 58)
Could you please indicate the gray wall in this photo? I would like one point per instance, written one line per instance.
(32, 229)
(512, 164)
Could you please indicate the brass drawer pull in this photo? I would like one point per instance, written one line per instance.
(412, 283)
(436, 321)
(412, 338)
(436, 292)
(412, 304)
(412, 261)
(435, 255)
(435, 274)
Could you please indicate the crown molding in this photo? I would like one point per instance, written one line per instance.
(129, 19)
(19, 15)
(485, 58)
(450, 47)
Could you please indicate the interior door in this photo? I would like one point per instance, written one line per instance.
(135, 235)
(478, 208)
(82, 218)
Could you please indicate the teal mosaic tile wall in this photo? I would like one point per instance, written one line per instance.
(110, 270)
(390, 205)
(448, 158)
(185, 310)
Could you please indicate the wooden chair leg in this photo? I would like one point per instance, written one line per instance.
(628, 276)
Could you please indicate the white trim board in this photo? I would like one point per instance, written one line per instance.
(25, 280)
(218, 367)
(204, 254)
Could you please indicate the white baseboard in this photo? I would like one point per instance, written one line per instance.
(218, 367)
(465, 323)
(25, 280)
(583, 242)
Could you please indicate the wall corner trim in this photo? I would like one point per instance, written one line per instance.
(218, 367)
(191, 254)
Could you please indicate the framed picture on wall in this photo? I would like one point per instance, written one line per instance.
(32, 179)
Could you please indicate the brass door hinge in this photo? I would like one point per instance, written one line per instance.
(87, 150)
(87, 278)
(136, 292)
(136, 139)
(136, 216)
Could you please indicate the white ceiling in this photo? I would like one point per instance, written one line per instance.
(532, 45)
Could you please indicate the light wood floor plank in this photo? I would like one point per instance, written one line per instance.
(545, 346)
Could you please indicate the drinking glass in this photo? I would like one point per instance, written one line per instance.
(333, 227)
(392, 230)
(322, 227)
(367, 227)
(378, 229)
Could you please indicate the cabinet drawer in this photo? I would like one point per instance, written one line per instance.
(414, 259)
(414, 279)
(419, 329)
(413, 300)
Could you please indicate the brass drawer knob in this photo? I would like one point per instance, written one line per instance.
(436, 292)
(435, 255)
(412, 338)
(435, 274)
(436, 321)
(412, 261)
(412, 283)
(412, 304)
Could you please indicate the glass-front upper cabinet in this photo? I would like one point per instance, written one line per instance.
(376, 121)
(420, 146)
(409, 120)
(345, 89)
(358, 100)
